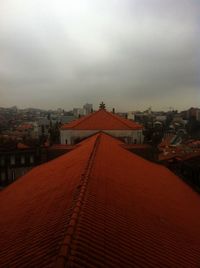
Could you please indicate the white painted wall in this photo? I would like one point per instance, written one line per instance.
(72, 135)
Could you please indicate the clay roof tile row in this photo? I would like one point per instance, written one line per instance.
(99, 206)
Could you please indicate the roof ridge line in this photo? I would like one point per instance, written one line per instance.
(120, 119)
(84, 118)
(65, 248)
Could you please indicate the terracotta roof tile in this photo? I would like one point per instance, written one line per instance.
(99, 206)
(102, 120)
(25, 126)
(21, 145)
(62, 147)
(35, 210)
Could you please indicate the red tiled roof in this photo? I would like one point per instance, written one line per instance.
(166, 141)
(62, 147)
(180, 152)
(22, 146)
(99, 206)
(136, 146)
(25, 126)
(102, 120)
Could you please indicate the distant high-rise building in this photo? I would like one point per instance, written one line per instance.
(131, 115)
(198, 115)
(88, 108)
(78, 112)
(193, 113)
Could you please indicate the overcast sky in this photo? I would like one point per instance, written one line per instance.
(131, 54)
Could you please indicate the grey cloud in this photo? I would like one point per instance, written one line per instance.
(129, 53)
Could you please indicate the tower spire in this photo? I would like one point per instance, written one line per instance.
(102, 106)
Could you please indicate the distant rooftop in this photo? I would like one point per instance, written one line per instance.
(102, 120)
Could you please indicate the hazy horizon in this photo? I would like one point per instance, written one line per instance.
(108, 108)
(131, 54)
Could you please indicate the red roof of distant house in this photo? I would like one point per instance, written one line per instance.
(102, 120)
(166, 141)
(62, 147)
(25, 126)
(195, 143)
(99, 206)
(47, 143)
(136, 146)
(22, 146)
(180, 152)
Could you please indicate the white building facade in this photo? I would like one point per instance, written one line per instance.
(74, 136)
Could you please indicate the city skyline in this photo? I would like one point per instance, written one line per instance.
(108, 107)
(129, 54)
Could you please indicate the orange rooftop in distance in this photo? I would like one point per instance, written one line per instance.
(99, 206)
(102, 120)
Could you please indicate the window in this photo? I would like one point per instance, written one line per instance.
(2, 177)
(22, 159)
(2, 161)
(13, 175)
(12, 160)
(31, 159)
